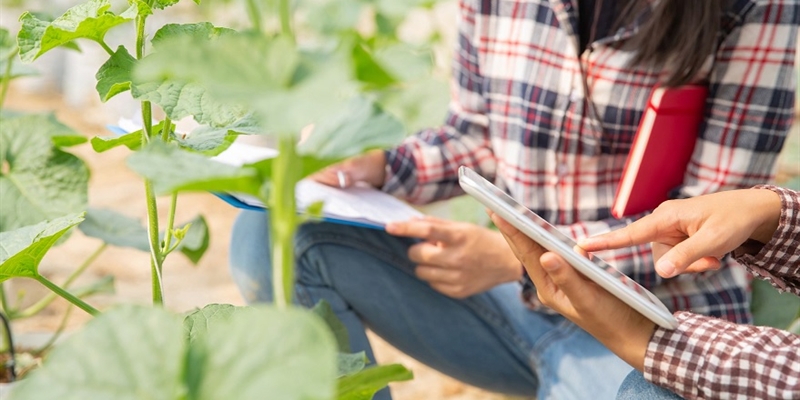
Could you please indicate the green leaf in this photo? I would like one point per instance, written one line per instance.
(114, 76)
(771, 308)
(364, 384)
(349, 364)
(115, 229)
(195, 325)
(172, 169)
(90, 20)
(127, 353)
(214, 140)
(22, 249)
(363, 125)
(195, 243)
(332, 17)
(285, 88)
(368, 70)
(131, 140)
(288, 354)
(198, 31)
(405, 61)
(323, 310)
(8, 46)
(420, 104)
(38, 180)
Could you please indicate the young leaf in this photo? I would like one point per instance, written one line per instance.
(115, 229)
(349, 364)
(114, 76)
(130, 352)
(323, 310)
(368, 70)
(200, 30)
(172, 169)
(364, 384)
(24, 248)
(90, 20)
(363, 125)
(195, 242)
(131, 140)
(38, 180)
(211, 141)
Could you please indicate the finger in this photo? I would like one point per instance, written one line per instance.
(428, 229)
(455, 291)
(564, 276)
(685, 253)
(525, 248)
(433, 274)
(326, 177)
(647, 229)
(705, 264)
(426, 253)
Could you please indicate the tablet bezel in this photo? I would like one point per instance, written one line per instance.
(533, 226)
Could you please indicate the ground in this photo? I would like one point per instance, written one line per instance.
(113, 185)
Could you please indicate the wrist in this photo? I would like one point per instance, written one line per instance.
(769, 203)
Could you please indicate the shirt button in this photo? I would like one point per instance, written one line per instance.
(562, 170)
(574, 97)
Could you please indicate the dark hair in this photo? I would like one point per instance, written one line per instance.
(682, 33)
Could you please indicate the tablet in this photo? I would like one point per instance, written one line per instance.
(549, 237)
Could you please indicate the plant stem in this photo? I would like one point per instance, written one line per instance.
(66, 295)
(283, 219)
(166, 129)
(254, 14)
(105, 47)
(57, 333)
(156, 259)
(284, 10)
(6, 81)
(4, 301)
(170, 225)
(45, 301)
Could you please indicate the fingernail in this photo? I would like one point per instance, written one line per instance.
(665, 268)
(391, 226)
(551, 264)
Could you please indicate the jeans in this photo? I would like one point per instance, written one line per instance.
(635, 387)
(490, 340)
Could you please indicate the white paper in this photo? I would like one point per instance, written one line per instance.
(361, 204)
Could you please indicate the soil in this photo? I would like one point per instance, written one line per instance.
(113, 185)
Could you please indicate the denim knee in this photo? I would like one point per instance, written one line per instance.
(635, 387)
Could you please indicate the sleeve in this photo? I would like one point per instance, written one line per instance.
(779, 260)
(709, 358)
(424, 168)
(750, 108)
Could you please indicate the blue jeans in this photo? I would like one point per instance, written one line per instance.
(635, 387)
(490, 340)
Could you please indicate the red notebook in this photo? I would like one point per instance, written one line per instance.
(661, 149)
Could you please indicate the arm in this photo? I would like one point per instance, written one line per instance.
(711, 358)
(425, 167)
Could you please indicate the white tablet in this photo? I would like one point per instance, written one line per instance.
(549, 237)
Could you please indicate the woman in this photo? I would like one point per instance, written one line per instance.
(704, 357)
(547, 95)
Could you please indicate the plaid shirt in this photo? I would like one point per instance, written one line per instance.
(714, 359)
(519, 117)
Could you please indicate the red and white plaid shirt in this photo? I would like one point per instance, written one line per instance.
(519, 117)
(708, 358)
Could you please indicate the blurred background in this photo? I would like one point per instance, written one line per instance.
(65, 84)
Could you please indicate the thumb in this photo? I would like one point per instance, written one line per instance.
(562, 274)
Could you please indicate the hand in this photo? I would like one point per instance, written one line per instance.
(693, 234)
(369, 167)
(458, 259)
(615, 324)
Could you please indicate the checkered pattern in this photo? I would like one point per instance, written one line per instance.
(519, 117)
(708, 358)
